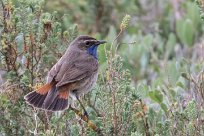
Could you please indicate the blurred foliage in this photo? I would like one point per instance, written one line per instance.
(151, 81)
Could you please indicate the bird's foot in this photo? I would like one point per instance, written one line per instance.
(86, 114)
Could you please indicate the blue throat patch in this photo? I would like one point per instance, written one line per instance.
(92, 50)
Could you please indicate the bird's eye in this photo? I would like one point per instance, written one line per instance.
(87, 43)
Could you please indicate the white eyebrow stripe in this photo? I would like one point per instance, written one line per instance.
(90, 40)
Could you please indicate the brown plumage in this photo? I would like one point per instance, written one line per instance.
(74, 74)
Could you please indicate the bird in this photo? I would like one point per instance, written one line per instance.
(74, 74)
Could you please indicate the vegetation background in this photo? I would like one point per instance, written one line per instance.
(151, 79)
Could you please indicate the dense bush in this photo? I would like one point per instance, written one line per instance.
(151, 79)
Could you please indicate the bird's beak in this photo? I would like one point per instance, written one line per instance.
(101, 42)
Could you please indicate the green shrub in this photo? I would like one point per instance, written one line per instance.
(151, 76)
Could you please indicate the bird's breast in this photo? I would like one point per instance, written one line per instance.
(87, 84)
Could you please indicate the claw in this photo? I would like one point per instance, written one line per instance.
(86, 114)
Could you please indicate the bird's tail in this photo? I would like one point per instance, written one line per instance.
(48, 98)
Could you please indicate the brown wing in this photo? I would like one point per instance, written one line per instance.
(61, 66)
(72, 67)
(54, 70)
(78, 70)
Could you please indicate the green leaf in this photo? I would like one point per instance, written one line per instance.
(151, 95)
(171, 42)
(180, 84)
(172, 73)
(193, 14)
(185, 31)
(142, 90)
(179, 28)
(172, 92)
(156, 96)
(164, 107)
(188, 32)
(185, 75)
(25, 79)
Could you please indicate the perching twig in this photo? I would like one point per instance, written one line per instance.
(86, 119)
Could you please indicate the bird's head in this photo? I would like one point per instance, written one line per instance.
(87, 44)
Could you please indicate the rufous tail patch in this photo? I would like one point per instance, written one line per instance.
(44, 89)
(64, 94)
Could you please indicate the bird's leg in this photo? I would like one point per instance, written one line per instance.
(85, 112)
